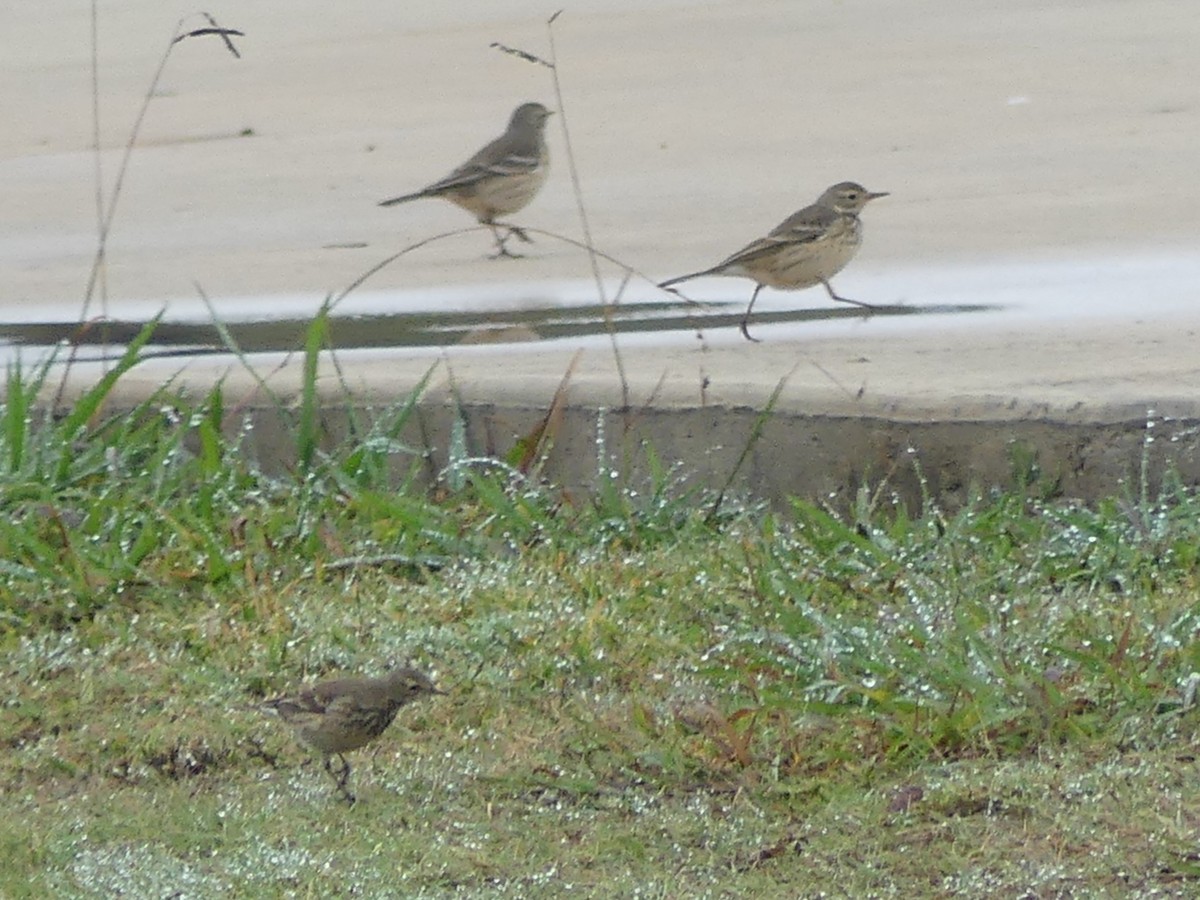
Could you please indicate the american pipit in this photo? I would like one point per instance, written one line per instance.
(502, 178)
(335, 717)
(807, 248)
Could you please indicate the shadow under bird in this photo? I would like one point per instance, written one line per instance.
(501, 179)
(807, 248)
(337, 716)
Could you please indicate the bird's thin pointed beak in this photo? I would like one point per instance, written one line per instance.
(875, 195)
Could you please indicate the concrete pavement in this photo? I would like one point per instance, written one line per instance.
(1039, 154)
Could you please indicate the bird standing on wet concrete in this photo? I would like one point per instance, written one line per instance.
(335, 717)
(502, 178)
(807, 248)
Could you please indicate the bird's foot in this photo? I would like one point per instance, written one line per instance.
(834, 295)
(502, 241)
(503, 252)
(341, 778)
(745, 329)
(869, 307)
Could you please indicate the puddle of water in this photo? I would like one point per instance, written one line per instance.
(429, 329)
(1052, 294)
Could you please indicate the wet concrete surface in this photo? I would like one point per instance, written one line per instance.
(1037, 261)
(964, 398)
(576, 325)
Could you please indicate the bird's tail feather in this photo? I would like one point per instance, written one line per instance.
(414, 196)
(679, 278)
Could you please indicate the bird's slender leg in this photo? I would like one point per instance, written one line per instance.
(829, 288)
(746, 317)
(520, 233)
(501, 249)
(342, 777)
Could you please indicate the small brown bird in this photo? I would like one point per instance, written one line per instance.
(502, 178)
(335, 717)
(807, 248)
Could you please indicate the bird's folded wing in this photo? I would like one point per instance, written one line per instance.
(468, 174)
(301, 706)
(809, 224)
(503, 156)
(314, 701)
(514, 164)
(755, 250)
(338, 696)
(804, 227)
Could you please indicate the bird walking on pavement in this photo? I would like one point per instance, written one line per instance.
(335, 717)
(807, 248)
(501, 179)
